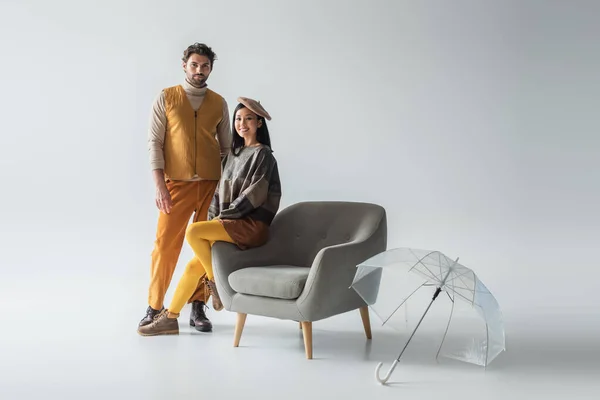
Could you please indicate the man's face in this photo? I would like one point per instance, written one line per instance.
(197, 69)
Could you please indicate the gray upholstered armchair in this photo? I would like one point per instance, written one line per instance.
(303, 273)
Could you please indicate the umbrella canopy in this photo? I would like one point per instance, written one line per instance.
(394, 283)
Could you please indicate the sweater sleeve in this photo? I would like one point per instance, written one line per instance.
(215, 204)
(156, 133)
(257, 191)
(213, 209)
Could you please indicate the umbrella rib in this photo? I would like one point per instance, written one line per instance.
(453, 279)
(427, 276)
(433, 275)
(420, 261)
(460, 295)
(460, 287)
(447, 326)
(434, 279)
(465, 297)
(463, 273)
(461, 279)
(400, 305)
(474, 283)
(468, 289)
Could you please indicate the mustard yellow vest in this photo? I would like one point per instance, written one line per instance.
(190, 146)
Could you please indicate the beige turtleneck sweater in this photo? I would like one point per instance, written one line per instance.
(158, 123)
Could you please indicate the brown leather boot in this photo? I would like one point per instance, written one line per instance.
(161, 325)
(149, 317)
(216, 300)
(198, 318)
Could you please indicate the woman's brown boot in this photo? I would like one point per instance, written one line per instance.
(216, 300)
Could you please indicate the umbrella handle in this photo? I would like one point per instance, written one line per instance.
(387, 376)
(385, 379)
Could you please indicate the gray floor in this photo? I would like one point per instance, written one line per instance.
(88, 348)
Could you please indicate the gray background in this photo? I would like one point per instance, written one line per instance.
(472, 122)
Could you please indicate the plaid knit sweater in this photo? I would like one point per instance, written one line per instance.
(249, 186)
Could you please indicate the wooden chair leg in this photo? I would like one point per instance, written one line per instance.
(307, 333)
(364, 314)
(239, 327)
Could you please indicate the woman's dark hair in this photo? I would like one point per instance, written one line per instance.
(262, 133)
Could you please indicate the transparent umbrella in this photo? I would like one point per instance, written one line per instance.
(396, 281)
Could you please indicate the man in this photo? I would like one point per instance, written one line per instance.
(189, 135)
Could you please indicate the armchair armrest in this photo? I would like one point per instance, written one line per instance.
(327, 291)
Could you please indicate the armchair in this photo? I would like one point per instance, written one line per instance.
(304, 272)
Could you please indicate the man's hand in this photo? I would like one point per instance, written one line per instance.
(163, 197)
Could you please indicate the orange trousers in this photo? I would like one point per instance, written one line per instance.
(188, 198)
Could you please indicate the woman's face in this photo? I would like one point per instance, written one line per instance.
(246, 124)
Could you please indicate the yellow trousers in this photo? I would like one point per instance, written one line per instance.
(200, 236)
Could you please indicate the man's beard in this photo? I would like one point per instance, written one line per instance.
(198, 80)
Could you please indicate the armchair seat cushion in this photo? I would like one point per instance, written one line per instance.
(277, 281)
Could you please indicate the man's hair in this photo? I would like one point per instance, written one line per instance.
(202, 50)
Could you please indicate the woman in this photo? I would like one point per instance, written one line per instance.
(241, 212)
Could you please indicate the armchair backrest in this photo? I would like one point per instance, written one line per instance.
(303, 229)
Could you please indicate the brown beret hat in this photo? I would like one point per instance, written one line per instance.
(255, 107)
